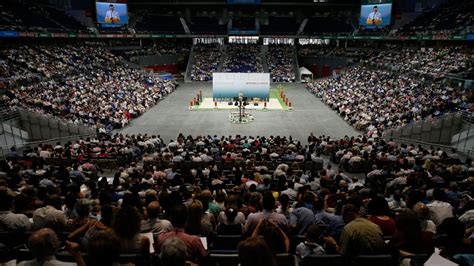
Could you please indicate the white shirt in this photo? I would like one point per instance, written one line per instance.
(111, 14)
(249, 183)
(292, 194)
(440, 210)
(50, 261)
(467, 218)
(375, 16)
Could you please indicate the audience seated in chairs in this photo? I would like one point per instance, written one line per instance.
(155, 192)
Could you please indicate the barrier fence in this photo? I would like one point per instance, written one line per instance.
(436, 130)
(450, 131)
(26, 128)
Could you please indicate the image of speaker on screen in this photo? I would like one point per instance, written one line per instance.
(375, 17)
(112, 15)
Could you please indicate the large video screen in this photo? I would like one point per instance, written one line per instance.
(375, 13)
(111, 14)
(229, 85)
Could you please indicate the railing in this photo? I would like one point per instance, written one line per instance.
(28, 128)
(434, 130)
(463, 151)
(43, 126)
(468, 117)
(7, 114)
(296, 66)
(4, 149)
(189, 66)
(263, 55)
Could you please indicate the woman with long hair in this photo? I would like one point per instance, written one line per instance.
(126, 226)
(195, 224)
(92, 228)
(255, 252)
(409, 238)
(379, 215)
(231, 222)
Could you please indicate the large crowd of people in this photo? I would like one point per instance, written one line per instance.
(243, 58)
(36, 16)
(446, 19)
(400, 91)
(161, 48)
(206, 61)
(432, 62)
(412, 200)
(82, 84)
(281, 64)
(269, 200)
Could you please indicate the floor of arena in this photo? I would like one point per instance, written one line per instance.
(172, 116)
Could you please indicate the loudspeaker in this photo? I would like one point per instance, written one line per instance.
(231, 103)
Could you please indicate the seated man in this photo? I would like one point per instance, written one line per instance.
(43, 244)
(9, 221)
(359, 237)
(100, 244)
(268, 202)
(50, 216)
(154, 224)
(195, 249)
(173, 252)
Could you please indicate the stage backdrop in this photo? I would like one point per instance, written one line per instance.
(252, 85)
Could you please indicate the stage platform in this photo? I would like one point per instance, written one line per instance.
(208, 104)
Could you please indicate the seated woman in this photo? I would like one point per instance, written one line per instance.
(379, 211)
(311, 244)
(275, 237)
(255, 252)
(93, 227)
(196, 224)
(80, 215)
(409, 239)
(456, 241)
(231, 222)
(126, 227)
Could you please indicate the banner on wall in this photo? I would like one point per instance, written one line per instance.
(251, 85)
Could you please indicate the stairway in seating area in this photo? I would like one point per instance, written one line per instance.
(263, 55)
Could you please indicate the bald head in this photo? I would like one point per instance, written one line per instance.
(153, 209)
(421, 211)
(43, 243)
(206, 193)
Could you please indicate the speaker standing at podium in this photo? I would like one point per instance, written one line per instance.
(375, 17)
(112, 16)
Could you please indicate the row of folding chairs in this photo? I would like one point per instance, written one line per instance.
(322, 260)
(232, 259)
(24, 255)
(229, 165)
